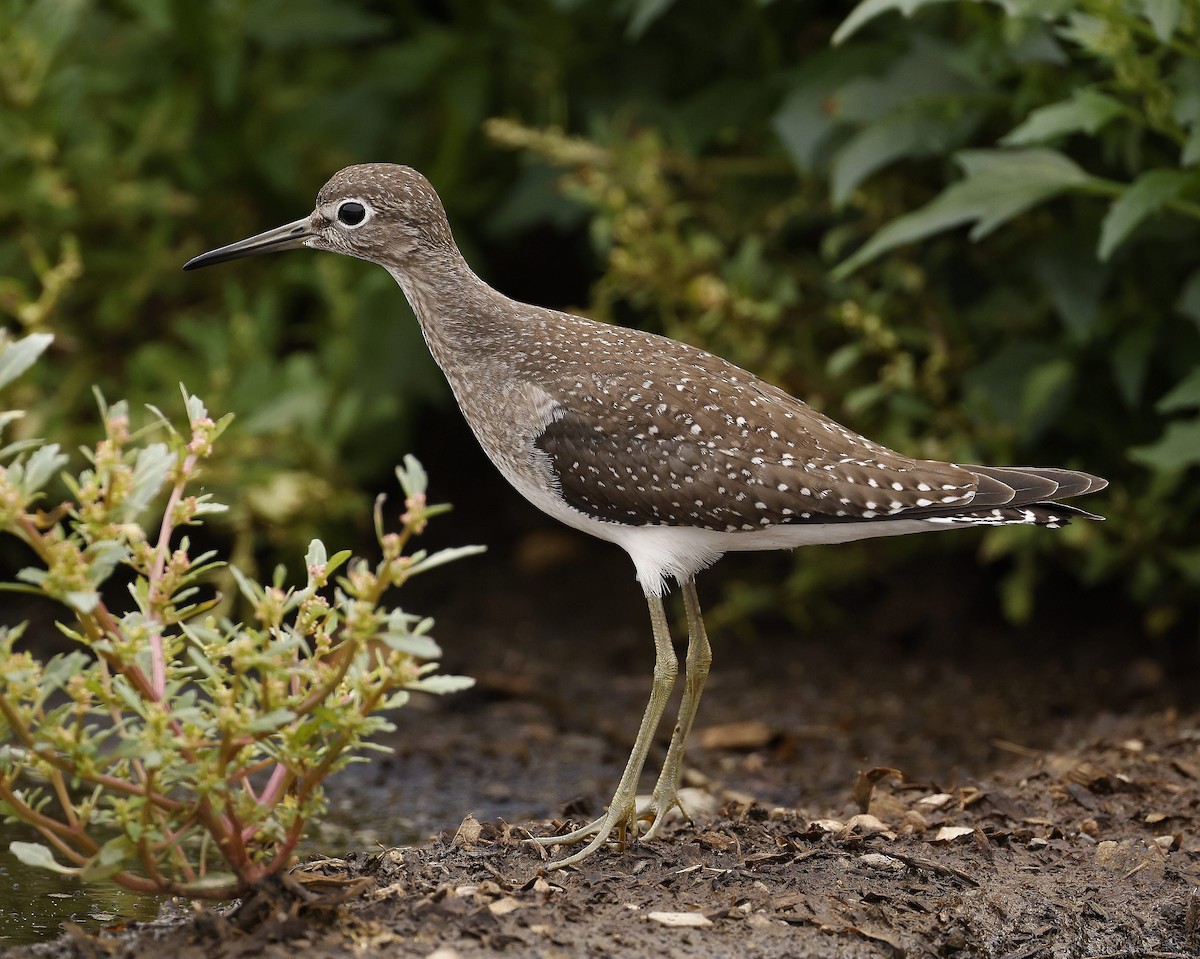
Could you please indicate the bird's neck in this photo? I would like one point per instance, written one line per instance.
(465, 321)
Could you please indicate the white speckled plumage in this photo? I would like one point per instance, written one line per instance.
(673, 454)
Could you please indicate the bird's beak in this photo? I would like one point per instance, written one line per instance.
(288, 237)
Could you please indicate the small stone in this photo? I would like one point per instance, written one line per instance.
(864, 824)
(952, 833)
(680, 919)
(503, 906)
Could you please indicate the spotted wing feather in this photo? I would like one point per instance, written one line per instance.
(685, 438)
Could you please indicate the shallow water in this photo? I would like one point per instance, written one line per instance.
(34, 903)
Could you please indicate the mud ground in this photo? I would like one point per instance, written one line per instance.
(909, 776)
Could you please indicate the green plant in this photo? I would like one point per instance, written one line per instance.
(810, 240)
(178, 751)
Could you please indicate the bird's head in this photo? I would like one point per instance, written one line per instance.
(382, 212)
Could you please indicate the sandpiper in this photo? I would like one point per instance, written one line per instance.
(672, 453)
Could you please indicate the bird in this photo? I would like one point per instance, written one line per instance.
(670, 452)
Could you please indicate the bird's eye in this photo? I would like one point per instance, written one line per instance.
(351, 213)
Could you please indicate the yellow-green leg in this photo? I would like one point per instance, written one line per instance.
(621, 816)
(699, 657)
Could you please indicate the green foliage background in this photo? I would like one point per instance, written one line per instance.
(743, 181)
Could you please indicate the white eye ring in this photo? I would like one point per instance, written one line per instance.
(352, 213)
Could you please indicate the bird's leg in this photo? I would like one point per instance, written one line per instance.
(699, 657)
(622, 810)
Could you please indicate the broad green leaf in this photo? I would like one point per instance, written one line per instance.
(870, 9)
(998, 185)
(807, 120)
(929, 70)
(1087, 111)
(1088, 32)
(39, 856)
(1177, 448)
(1163, 16)
(923, 128)
(1184, 395)
(1148, 194)
(17, 356)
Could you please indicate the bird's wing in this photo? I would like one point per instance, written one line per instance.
(720, 449)
(686, 438)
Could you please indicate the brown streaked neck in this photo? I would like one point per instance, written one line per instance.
(458, 312)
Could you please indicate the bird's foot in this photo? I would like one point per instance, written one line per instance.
(663, 800)
(620, 819)
(620, 824)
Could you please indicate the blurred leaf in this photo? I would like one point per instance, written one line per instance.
(103, 557)
(806, 120)
(1185, 395)
(1163, 16)
(42, 464)
(422, 647)
(17, 356)
(1088, 110)
(441, 685)
(870, 9)
(154, 462)
(998, 185)
(1089, 32)
(922, 129)
(108, 861)
(271, 721)
(281, 24)
(39, 856)
(1190, 155)
(443, 556)
(1177, 448)
(1148, 194)
(928, 70)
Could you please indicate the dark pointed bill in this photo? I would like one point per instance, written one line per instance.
(288, 237)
